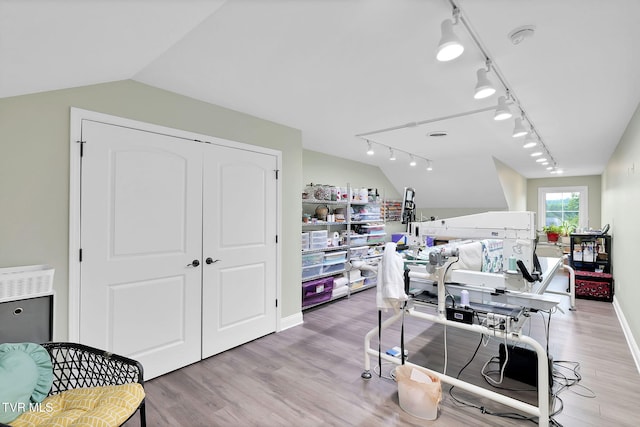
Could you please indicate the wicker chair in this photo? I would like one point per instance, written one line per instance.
(80, 366)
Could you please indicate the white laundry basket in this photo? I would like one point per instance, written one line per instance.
(20, 282)
(419, 393)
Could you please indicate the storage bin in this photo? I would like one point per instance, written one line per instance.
(359, 239)
(305, 241)
(333, 268)
(376, 238)
(19, 282)
(359, 252)
(319, 234)
(317, 291)
(357, 284)
(311, 270)
(333, 257)
(371, 281)
(318, 239)
(594, 286)
(374, 229)
(313, 258)
(320, 244)
(370, 216)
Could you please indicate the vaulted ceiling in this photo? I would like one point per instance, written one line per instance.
(337, 69)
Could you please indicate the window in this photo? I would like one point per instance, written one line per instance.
(559, 204)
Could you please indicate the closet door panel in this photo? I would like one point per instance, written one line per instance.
(239, 238)
(141, 229)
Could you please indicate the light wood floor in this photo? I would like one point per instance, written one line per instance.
(310, 375)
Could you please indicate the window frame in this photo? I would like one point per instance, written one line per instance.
(584, 203)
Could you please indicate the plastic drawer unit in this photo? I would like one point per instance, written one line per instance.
(311, 270)
(334, 257)
(317, 291)
(313, 258)
(333, 268)
(318, 239)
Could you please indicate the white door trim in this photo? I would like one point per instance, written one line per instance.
(77, 115)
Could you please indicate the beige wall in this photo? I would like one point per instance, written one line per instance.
(620, 207)
(594, 187)
(34, 171)
(513, 185)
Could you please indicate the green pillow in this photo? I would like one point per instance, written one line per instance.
(26, 377)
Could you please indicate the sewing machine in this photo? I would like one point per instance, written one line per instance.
(518, 283)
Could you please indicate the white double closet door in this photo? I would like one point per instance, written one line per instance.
(178, 246)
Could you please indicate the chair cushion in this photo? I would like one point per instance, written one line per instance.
(83, 407)
(25, 378)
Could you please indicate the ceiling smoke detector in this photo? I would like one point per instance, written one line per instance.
(518, 35)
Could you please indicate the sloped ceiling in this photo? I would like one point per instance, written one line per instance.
(340, 68)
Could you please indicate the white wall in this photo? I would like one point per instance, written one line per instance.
(620, 207)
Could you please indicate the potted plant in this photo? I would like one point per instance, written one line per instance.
(566, 228)
(553, 231)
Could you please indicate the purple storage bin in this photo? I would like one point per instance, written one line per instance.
(317, 291)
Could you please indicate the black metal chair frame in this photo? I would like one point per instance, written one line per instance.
(80, 366)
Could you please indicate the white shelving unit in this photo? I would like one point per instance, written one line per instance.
(323, 263)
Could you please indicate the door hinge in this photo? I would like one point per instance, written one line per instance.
(80, 255)
(81, 147)
(276, 302)
(277, 173)
(276, 238)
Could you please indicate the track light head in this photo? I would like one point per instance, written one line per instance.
(519, 129)
(529, 141)
(449, 47)
(392, 155)
(429, 167)
(370, 151)
(412, 162)
(484, 88)
(502, 110)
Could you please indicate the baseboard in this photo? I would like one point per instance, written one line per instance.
(290, 321)
(633, 345)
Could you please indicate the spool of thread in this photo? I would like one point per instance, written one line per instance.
(464, 298)
(512, 263)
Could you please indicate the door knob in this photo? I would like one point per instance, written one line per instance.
(194, 263)
(211, 261)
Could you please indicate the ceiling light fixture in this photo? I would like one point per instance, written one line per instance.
(449, 47)
(519, 129)
(484, 87)
(541, 160)
(393, 151)
(370, 151)
(502, 110)
(529, 141)
(536, 154)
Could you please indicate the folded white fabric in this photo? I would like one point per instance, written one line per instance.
(390, 285)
